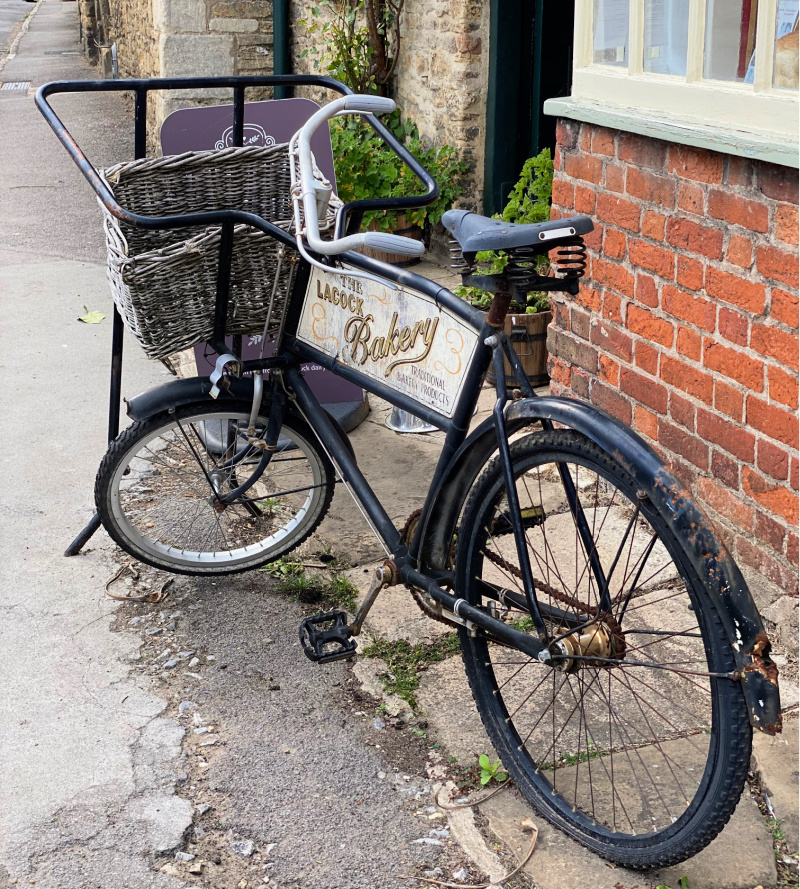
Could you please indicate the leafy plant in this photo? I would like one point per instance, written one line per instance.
(682, 884)
(330, 592)
(361, 40)
(490, 770)
(528, 202)
(367, 168)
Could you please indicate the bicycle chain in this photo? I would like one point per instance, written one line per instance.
(426, 605)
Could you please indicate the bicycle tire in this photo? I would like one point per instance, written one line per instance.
(672, 792)
(155, 498)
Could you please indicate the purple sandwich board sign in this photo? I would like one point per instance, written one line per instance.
(266, 123)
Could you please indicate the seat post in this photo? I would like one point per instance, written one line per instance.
(501, 302)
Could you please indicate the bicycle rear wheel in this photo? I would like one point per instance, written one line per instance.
(640, 754)
(155, 490)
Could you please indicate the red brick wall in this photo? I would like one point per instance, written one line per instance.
(686, 327)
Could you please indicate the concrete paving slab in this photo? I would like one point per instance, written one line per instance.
(740, 858)
(775, 763)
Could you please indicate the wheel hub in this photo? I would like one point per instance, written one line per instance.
(595, 641)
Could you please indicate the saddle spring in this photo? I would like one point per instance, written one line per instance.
(458, 262)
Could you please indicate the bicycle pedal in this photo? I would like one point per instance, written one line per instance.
(327, 637)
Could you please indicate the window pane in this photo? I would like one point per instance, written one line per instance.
(730, 40)
(611, 32)
(666, 36)
(785, 73)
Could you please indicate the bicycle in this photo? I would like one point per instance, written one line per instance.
(611, 644)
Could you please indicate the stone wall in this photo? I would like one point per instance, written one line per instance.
(686, 328)
(183, 38)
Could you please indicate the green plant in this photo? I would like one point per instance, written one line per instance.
(490, 770)
(330, 592)
(367, 168)
(528, 202)
(683, 883)
(361, 41)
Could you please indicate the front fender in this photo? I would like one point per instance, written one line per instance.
(722, 579)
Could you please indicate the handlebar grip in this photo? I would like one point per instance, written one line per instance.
(387, 243)
(373, 104)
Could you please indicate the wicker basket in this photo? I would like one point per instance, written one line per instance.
(164, 281)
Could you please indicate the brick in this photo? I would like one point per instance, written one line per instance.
(647, 358)
(594, 238)
(691, 198)
(612, 307)
(614, 243)
(585, 200)
(589, 298)
(610, 401)
(622, 213)
(689, 343)
(563, 193)
(680, 442)
(774, 422)
(688, 235)
(603, 141)
(613, 340)
(775, 498)
(687, 378)
(580, 322)
(740, 251)
(651, 187)
(779, 183)
(689, 307)
(643, 390)
(782, 387)
(580, 383)
(733, 364)
(646, 291)
(615, 178)
(695, 163)
(768, 530)
(786, 223)
(770, 340)
(609, 370)
(794, 471)
(726, 503)
(585, 139)
(572, 350)
(690, 272)
(641, 151)
(728, 400)
(584, 166)
(777, 264)
(773, 460)
(653, 225)
(784, 308)
(725, 469)
(738, 172)
(733, 289)
(561, 313)
(738, 210)
(651, 257)
(756, 557)
(682, 410)
(733, 326)
(686, 475)
(727, 435)
(567, 133)
(650, 326)
(792, 541)
(612, 275)
(558, 370)
(645, 421)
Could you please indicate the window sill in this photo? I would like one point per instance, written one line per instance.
(752, 143)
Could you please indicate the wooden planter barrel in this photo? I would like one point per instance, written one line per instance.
(528, 334)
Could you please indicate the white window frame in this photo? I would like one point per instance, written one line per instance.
(751, 119)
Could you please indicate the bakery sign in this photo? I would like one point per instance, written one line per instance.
(398, 337)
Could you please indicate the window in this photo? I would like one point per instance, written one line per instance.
(724, 68)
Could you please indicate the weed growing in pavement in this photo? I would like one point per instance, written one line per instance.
(683, 884)
(491, 771)
(330, 590)
(405, 662)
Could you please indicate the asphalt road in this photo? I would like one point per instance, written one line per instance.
(12, 12)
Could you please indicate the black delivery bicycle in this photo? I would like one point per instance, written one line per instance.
(612, 646)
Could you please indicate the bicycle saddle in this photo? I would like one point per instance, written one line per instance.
(476, 233)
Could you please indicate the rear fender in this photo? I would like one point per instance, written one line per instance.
(722, 579)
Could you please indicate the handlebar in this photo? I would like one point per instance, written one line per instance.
(310, 191)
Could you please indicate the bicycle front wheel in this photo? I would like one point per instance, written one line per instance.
(156, 490)
(624, 741)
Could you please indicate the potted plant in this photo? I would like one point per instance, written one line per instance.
(526, 323)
